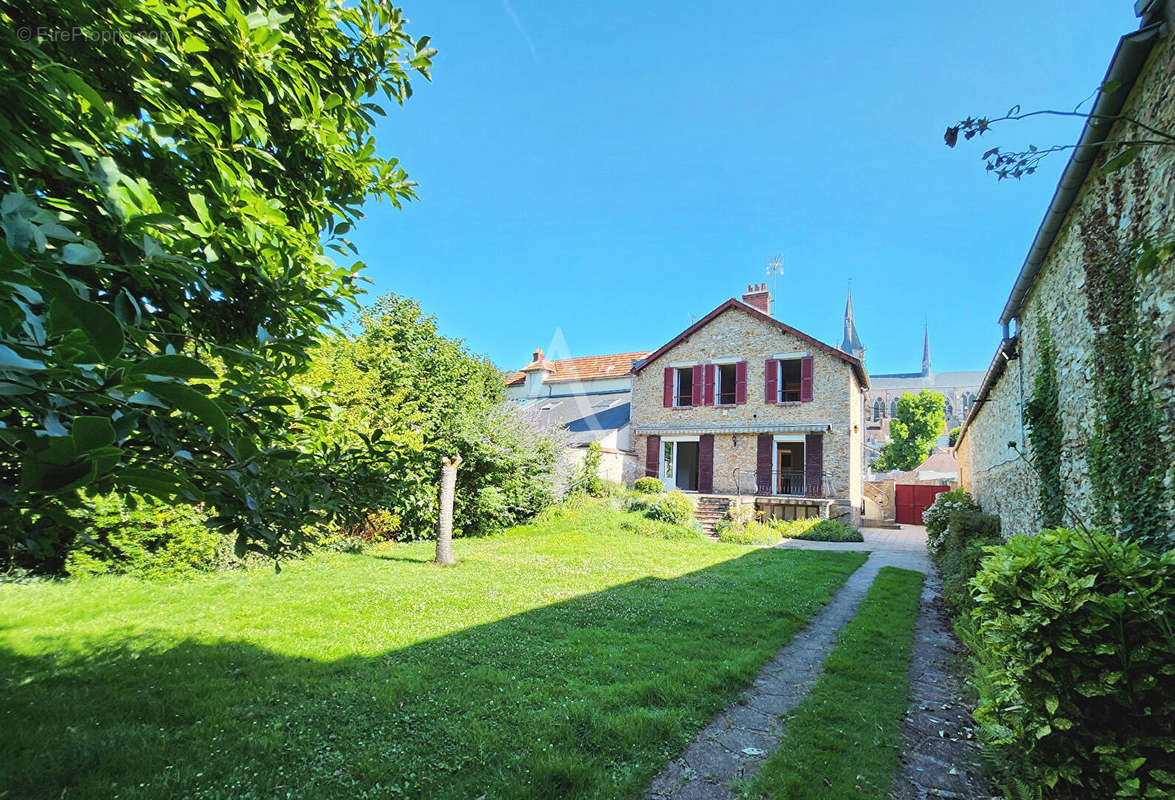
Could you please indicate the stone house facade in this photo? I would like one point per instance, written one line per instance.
(1129, 202)
(741, 404)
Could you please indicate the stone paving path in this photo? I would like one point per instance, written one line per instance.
(940, 757)
(736, 742)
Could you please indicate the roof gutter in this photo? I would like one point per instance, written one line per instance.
(1128, 60)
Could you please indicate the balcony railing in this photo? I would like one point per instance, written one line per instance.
(783, 483)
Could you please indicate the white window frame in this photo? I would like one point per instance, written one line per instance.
(779, 359)
(718, 365)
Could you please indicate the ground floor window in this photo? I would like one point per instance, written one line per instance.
(789, 468)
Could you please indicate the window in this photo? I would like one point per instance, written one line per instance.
(950, 409)
(893, 407)
(878, 409)
(683, 386)
(725, 392)
(789, 380)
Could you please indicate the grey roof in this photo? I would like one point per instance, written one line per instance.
(852, 342)
(914, 380)
(586, 417)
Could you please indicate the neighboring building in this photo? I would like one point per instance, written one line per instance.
(959, 389)
(741, 404)
(590, 398)
(1055, 281)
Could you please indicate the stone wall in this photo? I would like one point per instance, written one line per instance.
(836, 402)
(1138, 198)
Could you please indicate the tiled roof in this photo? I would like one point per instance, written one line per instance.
(585, 368)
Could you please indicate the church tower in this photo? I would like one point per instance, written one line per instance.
(852, 343)
(925, 350)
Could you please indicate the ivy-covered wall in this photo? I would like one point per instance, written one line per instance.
(1089, 338)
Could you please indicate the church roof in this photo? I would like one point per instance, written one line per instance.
(852, 342)
(916, 380)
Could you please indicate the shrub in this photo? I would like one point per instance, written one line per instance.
(960, 552)
(815, 529)
(143, 537)
(644, 526)
(938, 515)
(1077, 660)
(672, 507)
(753, 532)
(649, 485)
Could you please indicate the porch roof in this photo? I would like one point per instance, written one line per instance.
(765, 427)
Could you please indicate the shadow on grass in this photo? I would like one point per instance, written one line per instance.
(584, 698)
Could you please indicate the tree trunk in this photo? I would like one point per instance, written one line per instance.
(445, 521)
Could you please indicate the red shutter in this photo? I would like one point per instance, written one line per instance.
(697, 379)
(814, 465)
(668, 394)
(763, 466)
(653, 457)
(706, 463)
(771, 380)
(806, 379)
(740, 383)
(709, 385)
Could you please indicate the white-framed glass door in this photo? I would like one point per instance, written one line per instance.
(679, 463)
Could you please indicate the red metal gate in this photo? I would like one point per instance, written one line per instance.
(911, 500)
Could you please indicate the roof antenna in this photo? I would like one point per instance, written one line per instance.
(774, 270)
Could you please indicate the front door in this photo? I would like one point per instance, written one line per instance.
(679, 465)
(789, 469)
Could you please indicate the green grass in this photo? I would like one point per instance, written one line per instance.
(558, 660)
(843, 740)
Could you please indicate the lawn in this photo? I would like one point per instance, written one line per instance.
(565, 659)
(843, 740)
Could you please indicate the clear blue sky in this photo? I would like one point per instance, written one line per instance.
(613, 170)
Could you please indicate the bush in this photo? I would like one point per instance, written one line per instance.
(144, 537)
(960, 552)
(673, 507)
(644, 526)
(815, 529)
(649, 485)
(938, 515)
(1077, 660)
(753, 532)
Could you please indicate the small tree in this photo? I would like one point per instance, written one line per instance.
(953, 435)
(919, 421)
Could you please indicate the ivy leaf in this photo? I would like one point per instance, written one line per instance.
(1120, 160)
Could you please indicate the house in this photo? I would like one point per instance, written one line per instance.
(1095, 306)
(589, 398)
(741, 404)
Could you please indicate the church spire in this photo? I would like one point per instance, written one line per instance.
(925, 349)
(851, 344)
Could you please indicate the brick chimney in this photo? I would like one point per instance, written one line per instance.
(758, 296)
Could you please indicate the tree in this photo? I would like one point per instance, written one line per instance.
(919, 422)
(953, 435)
(173, 172)
(444, 556)
(391, 370)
